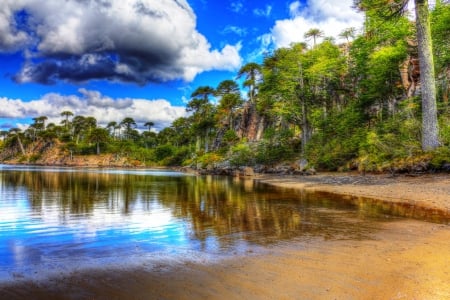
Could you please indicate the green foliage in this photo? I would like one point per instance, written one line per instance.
(242, 155)
(209, 159)
(440, 158)
(337, 139)
(34, 157)
(178, 158)
(395, 139)
(277, 146)
(164, 151)
(230, 136)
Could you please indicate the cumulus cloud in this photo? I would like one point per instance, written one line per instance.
(332, 17)
(136, 41)
(92, 103)
(11, 39)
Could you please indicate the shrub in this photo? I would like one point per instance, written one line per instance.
(209, 159)
(242, 155)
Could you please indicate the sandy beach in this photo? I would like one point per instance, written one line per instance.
(403, 259)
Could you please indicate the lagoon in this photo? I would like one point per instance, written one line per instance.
(56, 221)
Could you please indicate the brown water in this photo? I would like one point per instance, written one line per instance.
(60, 221)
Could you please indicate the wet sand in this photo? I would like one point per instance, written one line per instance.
(403, 259)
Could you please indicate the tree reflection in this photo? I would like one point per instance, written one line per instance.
(228, 209)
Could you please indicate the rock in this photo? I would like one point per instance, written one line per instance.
(248, 171)
(310, 171)
(260, 169)
(446, 167)
(302, 164)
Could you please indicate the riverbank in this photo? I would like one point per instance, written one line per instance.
(429, 191)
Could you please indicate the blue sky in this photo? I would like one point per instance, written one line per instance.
(113, 59)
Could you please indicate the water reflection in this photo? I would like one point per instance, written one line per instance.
(67, 215)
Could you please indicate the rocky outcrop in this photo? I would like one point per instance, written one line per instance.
(410, 75)
(297, 168)
(250, 124)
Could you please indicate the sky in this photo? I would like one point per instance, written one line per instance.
(112, 59)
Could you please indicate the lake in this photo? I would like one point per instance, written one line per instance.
(60, 220)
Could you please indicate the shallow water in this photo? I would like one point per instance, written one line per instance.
(57, 220)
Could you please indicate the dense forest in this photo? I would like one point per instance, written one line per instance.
(375, 99)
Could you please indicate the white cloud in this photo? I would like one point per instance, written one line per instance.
(11, 39)
(294, 9)
(133, 41)
(263, 12)
(237, 6)
(236, 30)
(93, 103)
(332, 17)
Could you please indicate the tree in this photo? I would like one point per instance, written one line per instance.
(229, 99)
(39, 123)
(199, 98)
(202, 114)
(112, 126)
(228, 92)
(17, 132)
(91, 123)
(441, 48)
(79, 125)
(3, 134)
(129, 124)
(98, 135)
(149, 125)
(313, 33)
(430, 130)
(348, 33)
(252, 73)
(66, 114)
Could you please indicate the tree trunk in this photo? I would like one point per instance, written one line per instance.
(430, 131)
(20, 144)
(198, 143)
(261, 127)
(306, 129)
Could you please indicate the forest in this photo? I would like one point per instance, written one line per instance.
(374, 99)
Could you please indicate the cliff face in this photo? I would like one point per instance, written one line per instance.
(250, 124)
(247, 123)
(410, 75)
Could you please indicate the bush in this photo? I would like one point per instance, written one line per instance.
(242, 155)
(164, 151)
(209, 159)
(337, 139)
(440, 158)
(272, 153)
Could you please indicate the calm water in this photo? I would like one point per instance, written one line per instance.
(56, 220)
